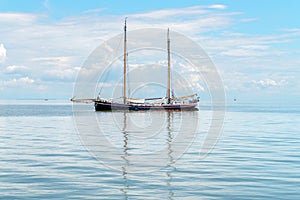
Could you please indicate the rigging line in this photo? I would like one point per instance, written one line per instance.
(108, 72)
(128, 82)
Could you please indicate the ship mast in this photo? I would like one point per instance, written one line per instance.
(169, 69)
(125, 65)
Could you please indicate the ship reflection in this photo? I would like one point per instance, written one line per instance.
(125, 157)
(170, 166)
(168, 169)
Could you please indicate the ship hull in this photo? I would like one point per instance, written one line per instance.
(108, 106)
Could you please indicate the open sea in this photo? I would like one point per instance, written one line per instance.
(52, 150)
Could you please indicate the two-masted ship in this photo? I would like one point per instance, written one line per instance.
(169, 102)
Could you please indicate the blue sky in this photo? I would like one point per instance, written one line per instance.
(253, 43)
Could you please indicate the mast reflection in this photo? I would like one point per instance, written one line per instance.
(125, 157)
(169, 158)
(170, 166)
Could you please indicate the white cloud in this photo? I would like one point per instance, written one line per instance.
(267, 83)
(17, 82)
(235, 80)
(106, 84)
(54, 61)
(196, 81)
(62, 74)
(54, 48)
(243, 45)
(15, 69)
(18, 18)
(2, 54)
(218, 6)
(248, 19)
(189, 20)
(167, 13)
(245, 52)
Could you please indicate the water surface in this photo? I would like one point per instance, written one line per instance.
(42, 156)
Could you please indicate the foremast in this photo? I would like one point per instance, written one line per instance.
(125, 64)
(169, 69)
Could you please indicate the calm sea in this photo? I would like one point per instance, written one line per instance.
(47, 151)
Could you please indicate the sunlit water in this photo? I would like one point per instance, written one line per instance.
(42, 155)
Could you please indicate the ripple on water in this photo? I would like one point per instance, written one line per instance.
(257, 157)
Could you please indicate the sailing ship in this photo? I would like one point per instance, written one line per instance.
(169, 102)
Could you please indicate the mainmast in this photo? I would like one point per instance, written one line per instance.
(169, 69)
(125, 65)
